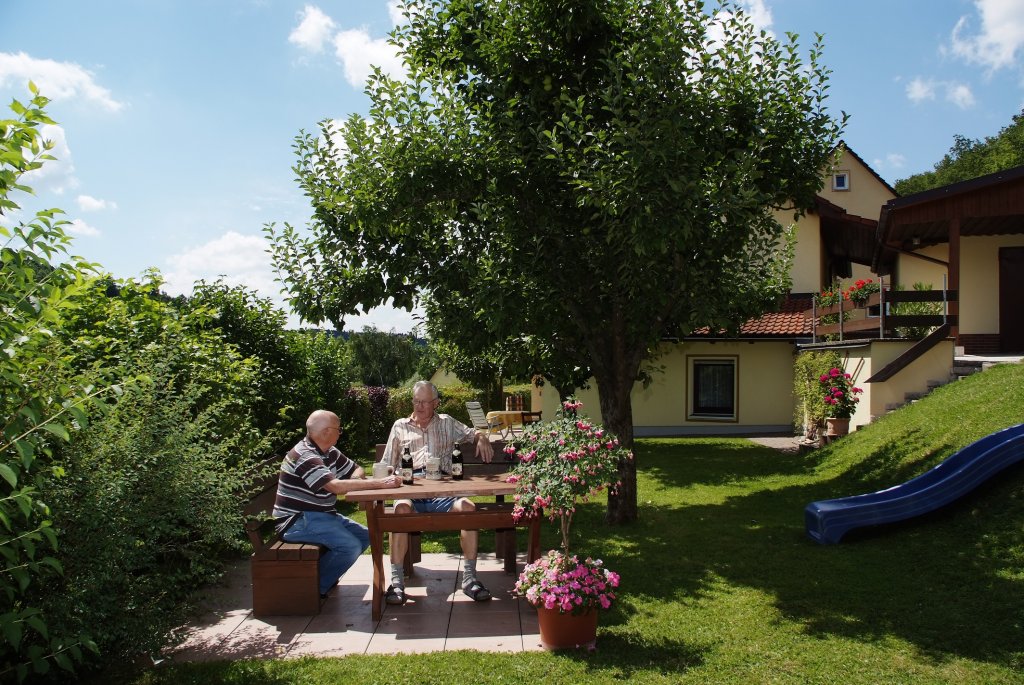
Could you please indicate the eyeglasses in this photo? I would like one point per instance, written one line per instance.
(423, 403)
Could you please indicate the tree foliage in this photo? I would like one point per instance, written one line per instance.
(598, 174)
(42, 400)
(969, 159)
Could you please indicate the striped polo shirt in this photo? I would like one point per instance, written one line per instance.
(304, 474)
(438, 438)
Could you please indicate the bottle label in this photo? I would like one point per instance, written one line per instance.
(456, 469)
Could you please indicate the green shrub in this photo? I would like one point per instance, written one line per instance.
(915, 309)
(354, 412)
(42, 401)
(807, 369)
(148, 506)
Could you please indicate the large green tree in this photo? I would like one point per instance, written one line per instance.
(599, 173)
(970, 158)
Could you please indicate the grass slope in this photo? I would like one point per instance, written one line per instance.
(721, 584)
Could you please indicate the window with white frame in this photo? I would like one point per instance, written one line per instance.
(713, 384)
(841, 180)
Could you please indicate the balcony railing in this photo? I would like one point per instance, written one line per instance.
(883, 323)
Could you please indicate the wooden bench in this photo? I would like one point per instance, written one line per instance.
(285, 575)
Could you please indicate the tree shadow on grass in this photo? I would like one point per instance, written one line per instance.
(628, 655)
(943, 582)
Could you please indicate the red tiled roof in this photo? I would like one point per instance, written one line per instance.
(788, 322)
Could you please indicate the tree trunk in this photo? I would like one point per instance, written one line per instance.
(615, 369)
(617, 413)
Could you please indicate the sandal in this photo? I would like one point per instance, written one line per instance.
(477, 591)
(395, 595)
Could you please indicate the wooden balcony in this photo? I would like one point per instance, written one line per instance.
(884, 324)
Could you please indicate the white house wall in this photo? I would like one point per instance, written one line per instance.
(867, 360)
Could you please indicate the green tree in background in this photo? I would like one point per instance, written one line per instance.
(383, 359)
(600, 173)
(969, 159)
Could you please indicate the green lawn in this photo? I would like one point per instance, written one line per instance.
(721, 585)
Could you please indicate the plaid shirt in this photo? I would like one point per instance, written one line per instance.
(438, 438)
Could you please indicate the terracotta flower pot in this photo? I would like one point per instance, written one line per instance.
(836, 427)
(566, 631)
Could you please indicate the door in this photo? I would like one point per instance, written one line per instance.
(1011, 299)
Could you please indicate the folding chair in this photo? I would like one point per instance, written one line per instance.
(479, 419)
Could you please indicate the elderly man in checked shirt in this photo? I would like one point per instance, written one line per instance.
(428, 433)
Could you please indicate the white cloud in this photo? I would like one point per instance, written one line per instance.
(759, 13)
(87, 203)
(895, 160)
(240, 259)
(919, 90)
(56, 175)
(243, 260)
(355, 49)
(359, 53)
(80, 228)
(313, 31)
(892, 160)
(1000, 38)
(56, 80)
(960, 95)
(395, 12)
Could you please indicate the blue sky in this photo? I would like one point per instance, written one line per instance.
(177, 117)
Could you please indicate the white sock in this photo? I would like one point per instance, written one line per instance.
(398, 575)
(468, 572)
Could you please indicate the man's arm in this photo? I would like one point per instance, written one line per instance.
(484, 448)
(480, 440)
(340, 487)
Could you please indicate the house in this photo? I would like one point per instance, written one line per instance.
(968, 238)
(971, 235)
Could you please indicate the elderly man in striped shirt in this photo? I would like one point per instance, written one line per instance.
(313, 474)
(428, 433)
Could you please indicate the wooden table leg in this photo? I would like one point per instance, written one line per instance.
(509, 544)
(533, 540)
(373, 511)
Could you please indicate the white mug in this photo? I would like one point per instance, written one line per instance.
(433, 468)
(382, 470)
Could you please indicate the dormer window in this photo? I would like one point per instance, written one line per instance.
(841, 180)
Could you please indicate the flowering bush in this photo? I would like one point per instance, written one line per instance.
(560, 463)
(557, 581)
(840, 393)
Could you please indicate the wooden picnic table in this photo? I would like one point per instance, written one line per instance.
(381, 519)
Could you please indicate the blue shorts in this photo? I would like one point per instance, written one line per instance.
(438, 505)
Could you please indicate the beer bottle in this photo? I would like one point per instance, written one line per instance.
(406, 467)
(456, 463)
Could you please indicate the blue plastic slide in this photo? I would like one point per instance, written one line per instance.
(828, 520)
